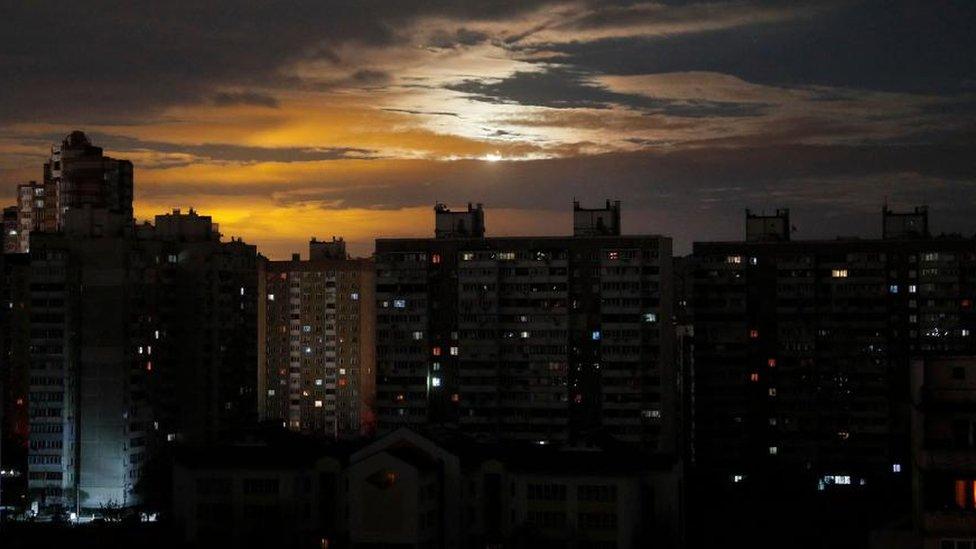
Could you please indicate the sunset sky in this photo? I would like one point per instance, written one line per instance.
(320, 118)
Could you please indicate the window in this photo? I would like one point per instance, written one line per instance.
(417, 336)
(896, 467)
(596, 335)
(893, 289)
(436, 351)
(467, 256)
(772, 391)
(650, 317)
(354, 296)
(454, 351)
(734, 259)
(771, 362)
(270, 297)
(318, 403)
(435, 382)
(912, 288)
(506, 256)
(839, 273)
(773, 450)
(524, 335)
(271, 392)
(399, 303)
(753, 334)
(435, 258)
(754, 377)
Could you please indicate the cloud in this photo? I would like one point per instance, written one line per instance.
(560, 88)
(224, 99)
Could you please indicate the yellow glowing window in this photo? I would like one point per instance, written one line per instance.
(839, 273)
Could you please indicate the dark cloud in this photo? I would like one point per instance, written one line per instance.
(97, 61)
(223, 152)
(561, 88)
(369, 77)
(911, 46)
(224, 99)
(421, 111)
(460, 37)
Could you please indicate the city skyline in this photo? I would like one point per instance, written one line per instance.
(355, 121)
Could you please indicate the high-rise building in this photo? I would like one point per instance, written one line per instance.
(77, 174)
(801, 348)
(944, 451)
(14, 367)
(317, 342)
(140, 336)
(11, 230)
(535, 338)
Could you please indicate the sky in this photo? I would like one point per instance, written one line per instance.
(351, 118)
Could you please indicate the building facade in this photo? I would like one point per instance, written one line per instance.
(944, 445)
(532, 338)
(316, 325)
(77, 174)
(801, 348)
(140, 337)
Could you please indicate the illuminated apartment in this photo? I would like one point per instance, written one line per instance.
(316, 320)
(541, 339)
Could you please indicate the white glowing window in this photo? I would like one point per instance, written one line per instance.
(734, 259)
(171, 437)
(436, 366)
(454, 351)
(172, 258)
(893, 288)
(773, 450)
(318, 403)
(595, 335)
(140, 349)
(271, 392)
(399, 303)
(308, 350)
(965, 332)
(912, 288)
(506, 256)
(242, 290)
(418, 336)
(435, 382)
(342, 371)
(318, 381)
(157, 334)
(650, 317)
(354, 296)
(467, 256)
(307, 328)
(270, 297)
(896, 467)
(772, 391)
(649, 414)
(839, 273)
(737, 478)
(524, 335)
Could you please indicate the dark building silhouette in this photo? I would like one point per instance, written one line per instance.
(802, 352)
(531, 338)
(140, 336)
(77, 174)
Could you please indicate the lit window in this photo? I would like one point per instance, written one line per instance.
(773, 450)
(455, 397)
(651, 414)
(436, 351)
(596, 335)
(506, 256)
(172, 258)
(753, 334)
(454, 351)
(467, 256)
(435, 258)
(399, 303)
(242, 290)
(734, 259)
(613, 256)
(270, 297)
(772, 421)
(354, 296)
(650, 317)
(342, 371)
(307, 328)
(754, 260)
(271, 392)
(912, 288)
(771, 362)
(308, 350)
(772, 391)
(737, 478)
(839, 273)
(436, 366)
(435, 382)
(893, 288)
(417, 336)
(965, 332)
(318, 382)
(318, 403)
(896, 467)
(524, 335)
(754, 377)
